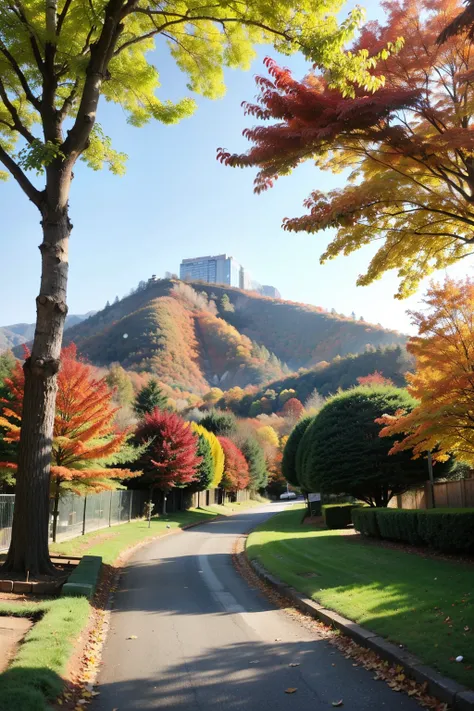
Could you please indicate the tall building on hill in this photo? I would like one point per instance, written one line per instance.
(219, 269)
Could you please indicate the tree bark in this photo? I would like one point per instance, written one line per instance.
(29, 547)
(56, 509)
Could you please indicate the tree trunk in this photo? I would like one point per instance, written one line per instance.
(29, 546)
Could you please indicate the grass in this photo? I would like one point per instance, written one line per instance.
(35, 676)
(426, 604)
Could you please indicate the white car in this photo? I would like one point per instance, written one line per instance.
(288, 495)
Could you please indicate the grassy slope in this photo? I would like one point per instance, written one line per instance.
(401, 596)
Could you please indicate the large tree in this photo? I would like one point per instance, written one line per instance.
(57, 58)
(87, 448)
(443, 381)
(216, 451)
(257, 465)
(236, 472)
(342, 452)
(408, 146)
(170, 459)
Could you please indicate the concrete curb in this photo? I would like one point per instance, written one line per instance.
(456, 695)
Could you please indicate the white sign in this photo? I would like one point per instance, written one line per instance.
(314, 497)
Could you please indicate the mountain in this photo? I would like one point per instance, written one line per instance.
(19, 333)
(194, 336)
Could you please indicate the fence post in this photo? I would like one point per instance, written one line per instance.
(130, 507)
(110, 509)
(84, 516)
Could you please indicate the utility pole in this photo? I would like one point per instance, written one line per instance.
(430, 471)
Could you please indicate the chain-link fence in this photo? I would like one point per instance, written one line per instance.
(78, 515)
(6, 517)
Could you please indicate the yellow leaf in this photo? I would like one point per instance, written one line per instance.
(291, 690)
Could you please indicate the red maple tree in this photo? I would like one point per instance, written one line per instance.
(171, 459)
(236, 471)
(408, 145)
(375, 378)
(292, 408)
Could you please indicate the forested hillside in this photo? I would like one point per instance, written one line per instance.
(196, 336)
(326, 378)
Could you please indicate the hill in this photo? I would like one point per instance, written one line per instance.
(19, 333)
(326, 378)
(194, 336)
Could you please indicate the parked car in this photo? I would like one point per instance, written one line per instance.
(288, 495)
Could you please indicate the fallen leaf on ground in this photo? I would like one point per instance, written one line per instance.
(294, 664)
(338, 703)
(291, 690)
(132, 636)
(255, 661)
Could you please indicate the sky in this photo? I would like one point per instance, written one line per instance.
(177, 201)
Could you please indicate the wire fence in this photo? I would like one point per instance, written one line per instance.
(7, 501)
(78, 515)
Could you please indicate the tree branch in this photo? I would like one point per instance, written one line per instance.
(25, 86)
(17, 123)
(193, 18)
(28, 188)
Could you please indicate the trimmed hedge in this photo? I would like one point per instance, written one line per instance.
(83, 580)
(398, 525)
(338, 515)
(365, 521)
(446, 530)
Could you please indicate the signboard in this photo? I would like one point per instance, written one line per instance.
(314, 497)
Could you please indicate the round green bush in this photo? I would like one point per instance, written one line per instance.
(341, 451)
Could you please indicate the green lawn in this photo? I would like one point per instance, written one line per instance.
(35, 677)
(425, 604)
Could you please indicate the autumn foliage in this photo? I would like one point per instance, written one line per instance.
(236, 472)
(292, 409)
(85, 438)
(443, 381)
(171, 459)
(374, 378)
(408, 144)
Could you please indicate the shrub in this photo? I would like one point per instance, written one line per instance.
(338, 515)
(447, 530)
(341, 451)
(365, 521)
(288, 465)
(399, 525)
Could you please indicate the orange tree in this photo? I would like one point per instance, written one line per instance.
(236, 470)
(443, 381)
(408, 145)
(86, 446)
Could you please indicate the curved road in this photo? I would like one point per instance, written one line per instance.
(207, 641)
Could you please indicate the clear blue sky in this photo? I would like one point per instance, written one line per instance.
(176, 201)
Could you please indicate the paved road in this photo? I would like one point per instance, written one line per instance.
(207, 641)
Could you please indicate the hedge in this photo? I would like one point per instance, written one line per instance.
(398, 525)
(365, 521)
(446, 530)
(338, 515)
